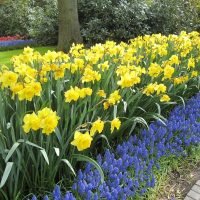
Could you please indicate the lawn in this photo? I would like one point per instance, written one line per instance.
(5, 56)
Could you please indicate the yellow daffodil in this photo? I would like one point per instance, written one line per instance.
(90, 75)
(114, 98)
(29, 91)
(75, 93)
(8, 78)
(48, 120)
(150, 89)
(191, 63)
(194, 73)
(174, 60)
(97, 126)
(160, 88)
(72, 94)
(31, 121)
(129, 79)
(106, 105)
(82, 141)
(155, 70)
(101, 93)
(168, 72)
(115, 123)
(165, 98)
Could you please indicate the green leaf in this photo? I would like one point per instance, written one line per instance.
(81, 157)
(132, 128)
(69, 165)
(105, 138)
(11, 151)
(170, 103)
(142, 121)
(32, 144)
(45, 155)
(42, 150)
(182, 100)
(58, 135)
(159, 108)
(125, 105)
(136, 120)
(158, 117)
(57, 150)
(4, 195)
(115, 111)
(140, 108)
(6, 173)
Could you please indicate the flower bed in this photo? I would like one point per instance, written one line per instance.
(129, 169)
(15, 43)
(10, 42)
(58, 109)
(9, 38)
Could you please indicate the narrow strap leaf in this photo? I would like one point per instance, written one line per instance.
(29, 143)
(182, 100)
(81, 157)
(58, 135)
(69, 165)
(34, 145)
(159, 108)
(57, 150)
(45, 155)
(115, 111)
(11, 151)
(158, 117)
(6, 173)
(105, 138)
(142, 121)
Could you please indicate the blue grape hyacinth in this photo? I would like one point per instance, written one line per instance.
(129, 169)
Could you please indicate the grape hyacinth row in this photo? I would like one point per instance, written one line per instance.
(129, 170)
(15, 43)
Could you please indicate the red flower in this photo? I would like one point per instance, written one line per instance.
(17, 37)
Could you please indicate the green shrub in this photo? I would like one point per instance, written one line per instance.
(100, 20)
(171, 16)
(196, 10)
(14, 18)
(113, 20)
(125, 19)
(35, 19)
(44, 22)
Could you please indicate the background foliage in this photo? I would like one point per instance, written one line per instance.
(114, 20)
(30, 18)
(14, 18)
(100, 20)
(44, 22)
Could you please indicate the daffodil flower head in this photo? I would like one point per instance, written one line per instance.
(82, 141)
(97, 126)
(115, 123)
(31, 121)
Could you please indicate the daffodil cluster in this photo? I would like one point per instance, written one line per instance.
(83, 140)
(46, 119)
(73, 94)
(89, 84)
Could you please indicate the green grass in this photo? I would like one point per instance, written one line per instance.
(5, 56)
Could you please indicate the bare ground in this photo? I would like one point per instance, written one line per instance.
(179, 182)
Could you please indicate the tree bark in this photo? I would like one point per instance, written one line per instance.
(69, 28)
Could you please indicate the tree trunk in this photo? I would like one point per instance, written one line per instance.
(69, 28)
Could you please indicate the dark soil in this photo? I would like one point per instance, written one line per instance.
(180, 182)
